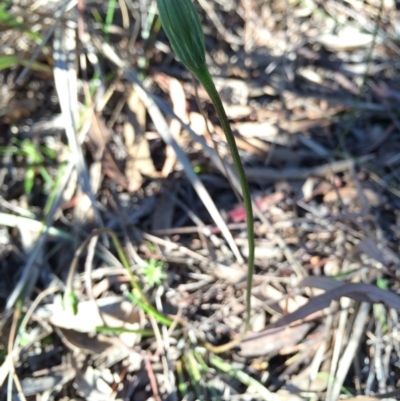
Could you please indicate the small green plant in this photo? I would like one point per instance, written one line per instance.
(35, 158)
(10, 22)
(182, 25)
(153, 273)
(137, 296)
(70, 301)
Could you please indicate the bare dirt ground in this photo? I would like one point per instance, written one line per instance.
(100, 128)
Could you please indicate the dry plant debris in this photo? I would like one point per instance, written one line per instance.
(100, 127)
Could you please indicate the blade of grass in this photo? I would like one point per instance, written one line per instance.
(243, 377)
(26, 223)
(53, 192)
(120, 330)
(109, 18)
(149, 32)
(205, 369)
(182, 384)
(149, 309)
(9, 21)
(194, 374)
(8, 61)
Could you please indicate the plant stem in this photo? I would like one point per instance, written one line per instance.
(203, 75)
(243, 377)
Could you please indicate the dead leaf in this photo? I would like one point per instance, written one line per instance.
(115, 311)
(272, 340)
(370, 248)
(232, 274)
(264, 251)
(84, 342)
(197, 123)
(101, 347)
(100, 135)
(163, 214)
(349, 194)
(139, 162)
(303, 382)
(234, 90)
(91, 385)
(238, 111)
(311, 74)
(357, 291)
(262, 130)
(238, 214)
(15, 110)
(347, 39)
(56, 377)
(178, 99)
(283, 303)
(244, 143)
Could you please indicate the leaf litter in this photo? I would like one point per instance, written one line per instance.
(311, 92)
